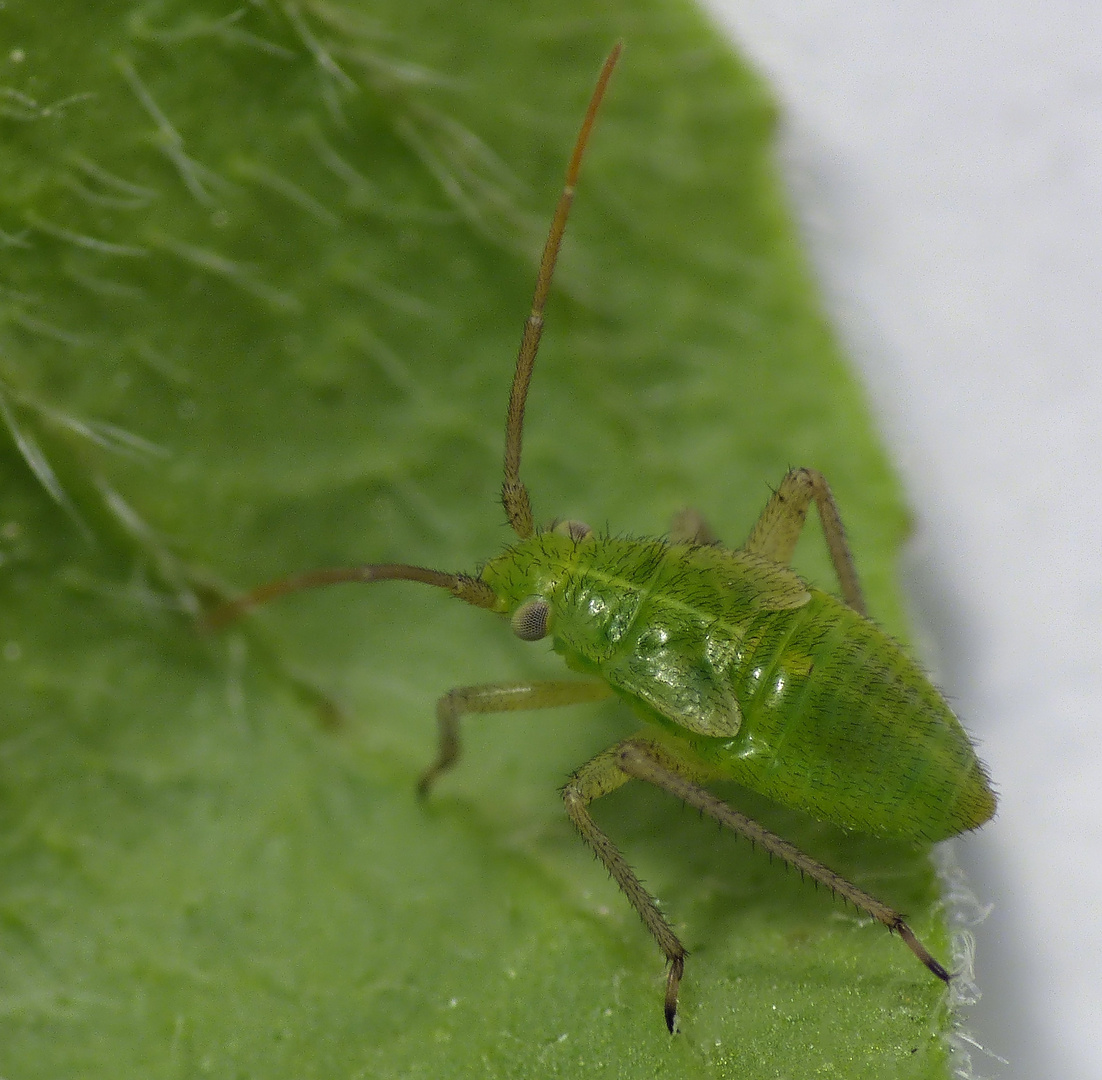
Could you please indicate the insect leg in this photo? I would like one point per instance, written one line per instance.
(689, 527)
(777, 530)
(500, 697)
(600, 776)
(639, 759)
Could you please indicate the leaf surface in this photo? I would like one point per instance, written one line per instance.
(264, 271)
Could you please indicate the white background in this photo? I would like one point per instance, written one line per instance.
(946, 163)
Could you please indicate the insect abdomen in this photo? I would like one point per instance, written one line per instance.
(784, 689)
(840, 722)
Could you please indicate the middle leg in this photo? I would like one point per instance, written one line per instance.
(775, 533)
(637, 758)
(600, 776)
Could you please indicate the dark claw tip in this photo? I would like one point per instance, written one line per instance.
(938, 970)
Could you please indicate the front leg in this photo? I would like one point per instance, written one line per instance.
(500, 697)
(690, 527)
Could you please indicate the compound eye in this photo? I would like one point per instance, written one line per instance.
(530, 620)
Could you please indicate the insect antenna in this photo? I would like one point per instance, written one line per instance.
(462, 586)
(514, 495)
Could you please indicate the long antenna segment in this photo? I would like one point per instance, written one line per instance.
(514, 495)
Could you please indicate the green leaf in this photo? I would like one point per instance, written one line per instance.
(263, 274)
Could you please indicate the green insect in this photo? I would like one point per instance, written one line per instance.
(739, 669)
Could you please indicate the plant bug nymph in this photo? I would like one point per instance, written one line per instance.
(739, 669)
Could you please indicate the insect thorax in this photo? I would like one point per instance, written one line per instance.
(610, 595)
